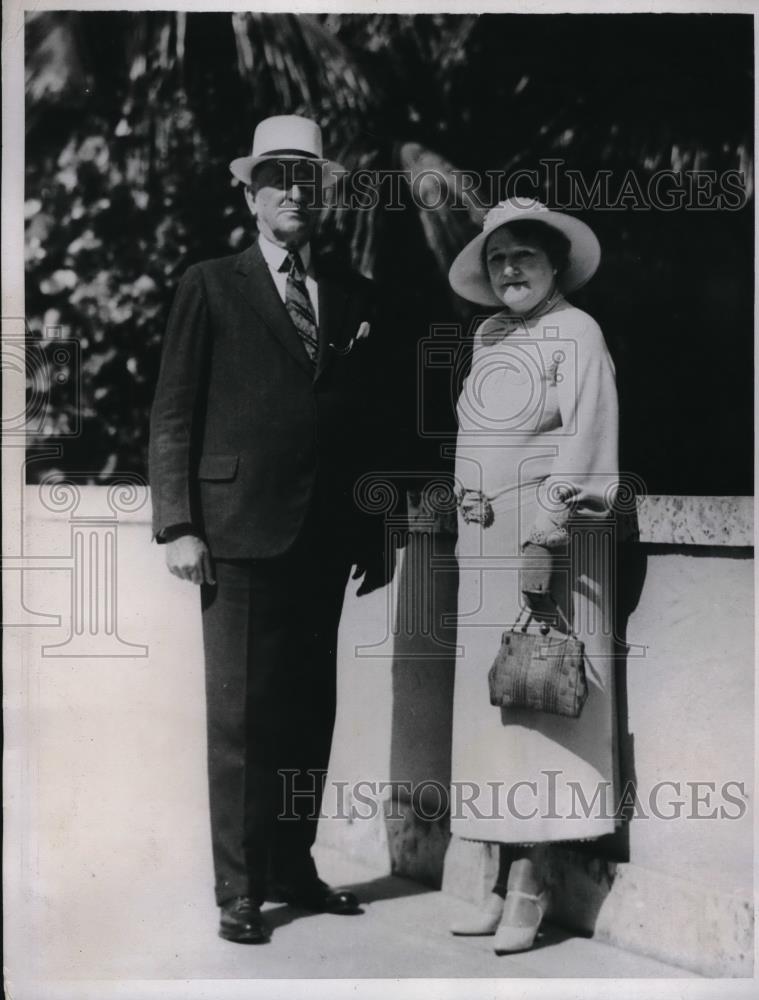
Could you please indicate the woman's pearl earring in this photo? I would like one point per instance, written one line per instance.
(556, 270)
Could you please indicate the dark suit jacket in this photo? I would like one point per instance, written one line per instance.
(243, 430)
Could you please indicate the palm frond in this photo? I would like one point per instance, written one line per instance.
(294, 64)
(452, 214)
(54, 66)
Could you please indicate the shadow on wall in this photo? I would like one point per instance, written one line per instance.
(582, 874)
(422, 711)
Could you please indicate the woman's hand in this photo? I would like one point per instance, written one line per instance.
(535, 578)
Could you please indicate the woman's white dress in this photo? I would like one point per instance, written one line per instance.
(538, 437)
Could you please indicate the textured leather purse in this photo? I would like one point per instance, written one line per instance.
(544, 671)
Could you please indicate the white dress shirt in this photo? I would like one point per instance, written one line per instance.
(274, 256)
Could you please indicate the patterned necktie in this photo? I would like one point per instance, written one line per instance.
(298, 304)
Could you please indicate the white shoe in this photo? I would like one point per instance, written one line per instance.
(509, 938)
(485, 921)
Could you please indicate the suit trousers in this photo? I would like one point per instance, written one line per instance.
(270, 639)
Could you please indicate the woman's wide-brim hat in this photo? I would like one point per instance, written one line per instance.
(287, 137)
(469, 274)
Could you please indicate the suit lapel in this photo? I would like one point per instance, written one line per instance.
(257, 288)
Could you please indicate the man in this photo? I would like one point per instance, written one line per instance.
(259, 431)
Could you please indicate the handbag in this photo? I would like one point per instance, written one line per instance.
(542, 671)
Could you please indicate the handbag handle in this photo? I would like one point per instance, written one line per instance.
(545, 627)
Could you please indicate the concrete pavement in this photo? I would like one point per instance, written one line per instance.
(401, 933)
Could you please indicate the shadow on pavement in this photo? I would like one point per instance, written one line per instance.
(374, 891)
(552, 934)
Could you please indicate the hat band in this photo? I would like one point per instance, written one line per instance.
(302, 153)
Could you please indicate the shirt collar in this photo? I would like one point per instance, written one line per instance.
(274, 255)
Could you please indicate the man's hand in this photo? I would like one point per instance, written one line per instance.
(535, 579)
(377, 571)
(189, 559)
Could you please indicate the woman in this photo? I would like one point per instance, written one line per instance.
(536, 473)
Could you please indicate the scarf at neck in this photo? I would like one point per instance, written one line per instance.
(502, 323)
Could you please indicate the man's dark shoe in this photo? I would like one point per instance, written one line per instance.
(241, 921)
(316, 896)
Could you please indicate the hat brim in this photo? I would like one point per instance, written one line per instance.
(243, 167)
(469, 278)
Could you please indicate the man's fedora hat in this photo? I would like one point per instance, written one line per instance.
(286, 137)
(469, 276)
